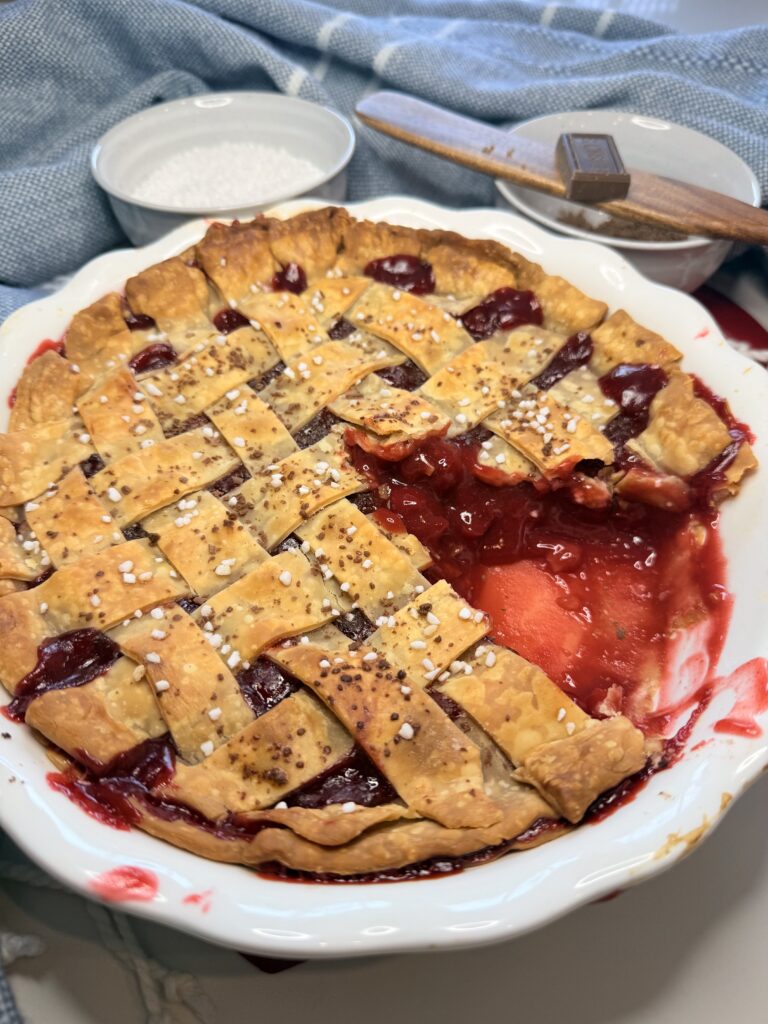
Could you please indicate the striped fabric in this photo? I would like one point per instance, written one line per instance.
(502, 60)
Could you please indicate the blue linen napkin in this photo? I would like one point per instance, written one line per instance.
(69, 71)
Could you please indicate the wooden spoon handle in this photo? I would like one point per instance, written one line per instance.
(652, 199)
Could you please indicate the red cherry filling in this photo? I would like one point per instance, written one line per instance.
(264, 685)
(228, 320)
(408, 273)
(92, 465)
(71, 659)
(316, 429)
(632, 388)
(355, 779)
(153, 357)
(258, 383)
(229, 482)
(585, 592)
(139, 322)
(501, 311)
(575, 352)
(407, 376)
(341, 329)
(290, 279)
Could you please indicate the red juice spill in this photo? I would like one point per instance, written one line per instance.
(128, 884)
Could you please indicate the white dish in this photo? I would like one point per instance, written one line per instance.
(139, 144)
(516, 893)
(646, 144)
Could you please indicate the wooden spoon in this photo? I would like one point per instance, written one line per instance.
(652, 199)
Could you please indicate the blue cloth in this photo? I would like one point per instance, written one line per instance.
(68, 71)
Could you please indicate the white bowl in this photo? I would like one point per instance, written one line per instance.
(514, 894)
(139, 144)
(645, 144)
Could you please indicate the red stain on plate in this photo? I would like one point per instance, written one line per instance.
(200, 899)
(750, 684)
(127, 884)
(703, 333)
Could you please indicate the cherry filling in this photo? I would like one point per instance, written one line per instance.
(290, 279)
(355, 779)
(501, 311)
(137, 532)
(92, 465)
(258, 383)
(180, 426)
(316, 429)
(632, 388)
(264, 685)
(71, 659)
(228, 320)
(47, 345)
(586, 593)
(138, 321)
(44, 575)
(229, 482)
(109, 792)
(408, 273)
(407, 376)
(576, 352)
(355, 625)
(341, 329)
(153, 357)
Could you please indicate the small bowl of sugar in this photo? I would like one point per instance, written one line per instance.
(225, 155)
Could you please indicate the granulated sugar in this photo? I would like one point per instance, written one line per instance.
(225, 175)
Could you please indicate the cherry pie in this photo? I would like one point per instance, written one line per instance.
(259, 516)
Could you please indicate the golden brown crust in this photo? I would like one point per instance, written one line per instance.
(189, 679)
(371, 570)
(103, 718)
(310, 239)
(16, 562)
(271, 756)
(98, 336)
(71, 521)
(571, 773)
(433, 767)
(684, 433)
(47, 390)
(33, 458)
(389, 415)
(174, 294)
(205, 542)
(236, 257)
(380, 849)
(622, 340)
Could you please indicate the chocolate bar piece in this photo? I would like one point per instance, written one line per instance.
(591, 168)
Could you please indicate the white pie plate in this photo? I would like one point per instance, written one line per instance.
(519, 892)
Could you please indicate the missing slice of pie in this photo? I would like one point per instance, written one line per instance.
(343, 548)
